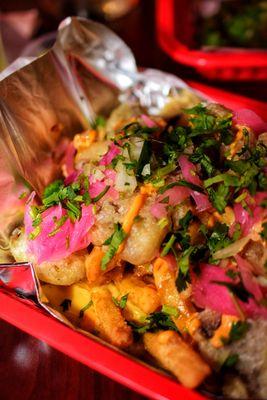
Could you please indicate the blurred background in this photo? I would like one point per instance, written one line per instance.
(179, 36)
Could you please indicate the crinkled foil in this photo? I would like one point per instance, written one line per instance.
(46, 100)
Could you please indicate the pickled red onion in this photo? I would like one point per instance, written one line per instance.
(189, 170)
(207, 294)
(148, 121)
(110, 155)
(250, 119)
(69, 238)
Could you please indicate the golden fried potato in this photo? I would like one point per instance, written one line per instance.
(91, 154)
(164, 275)
(173, 354)
(65, 272)
(18, 245)
(140, 294)
(112, 326)
(144, 241)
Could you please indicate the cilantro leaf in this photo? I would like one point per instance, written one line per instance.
(82, 311)
(114, 242)
(122, 302)
(219, 197)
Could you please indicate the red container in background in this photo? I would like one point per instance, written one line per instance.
(175, 30)
(91, 352)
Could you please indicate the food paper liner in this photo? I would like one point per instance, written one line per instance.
(44, 101)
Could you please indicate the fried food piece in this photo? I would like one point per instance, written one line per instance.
(140, 294)
(64, 272)
(173, 354)
(18, 245)
(112, 327)
(91, 154)
(145, 237)
(164, 276)
(74, 302)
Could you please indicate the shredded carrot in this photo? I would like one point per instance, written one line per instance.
(223, 331)
(93, 263)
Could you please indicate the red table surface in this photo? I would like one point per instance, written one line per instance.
(29, 368)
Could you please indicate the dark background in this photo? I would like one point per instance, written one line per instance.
(30, 369)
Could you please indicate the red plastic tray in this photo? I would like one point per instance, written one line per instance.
(104, 359)
(174, 31)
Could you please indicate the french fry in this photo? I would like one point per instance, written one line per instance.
(164, 275)
(74, 302)
(130, 312)
(139, 293)
(173, 354)
(112, 327)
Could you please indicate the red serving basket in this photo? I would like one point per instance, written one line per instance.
(175, 28)
(104, 359)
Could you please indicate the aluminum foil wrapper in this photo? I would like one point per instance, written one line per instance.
(44, 101)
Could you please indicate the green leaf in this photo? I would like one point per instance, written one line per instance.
(172, 311)
(144, 158)
(168, 246)
(238, 330)
(230, 361)
(180, 183)
(99, 122)
(53, 188)
(114, 242)
(219, 197)
(100, 195)
(82, 311)
(227, 179)
(122, 302)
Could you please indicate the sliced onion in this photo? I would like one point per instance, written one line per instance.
(232, 249)
(124, 181)
(250, 119)
(201, 200)
(158, 210)
(189, 170)
(110, 155)
(148, 121)
(208, 294)
(69, 238)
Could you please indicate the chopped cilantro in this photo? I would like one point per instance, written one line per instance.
(168, 246)
(82, 311)
(99, 122)
(180, 183)
(238, 330)
(219, 197)
(144, 158)
(100, 195)
(121, 303)
(230, 361)
(156, 321)
(170, 310)
(231, 273)
(114, 242)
